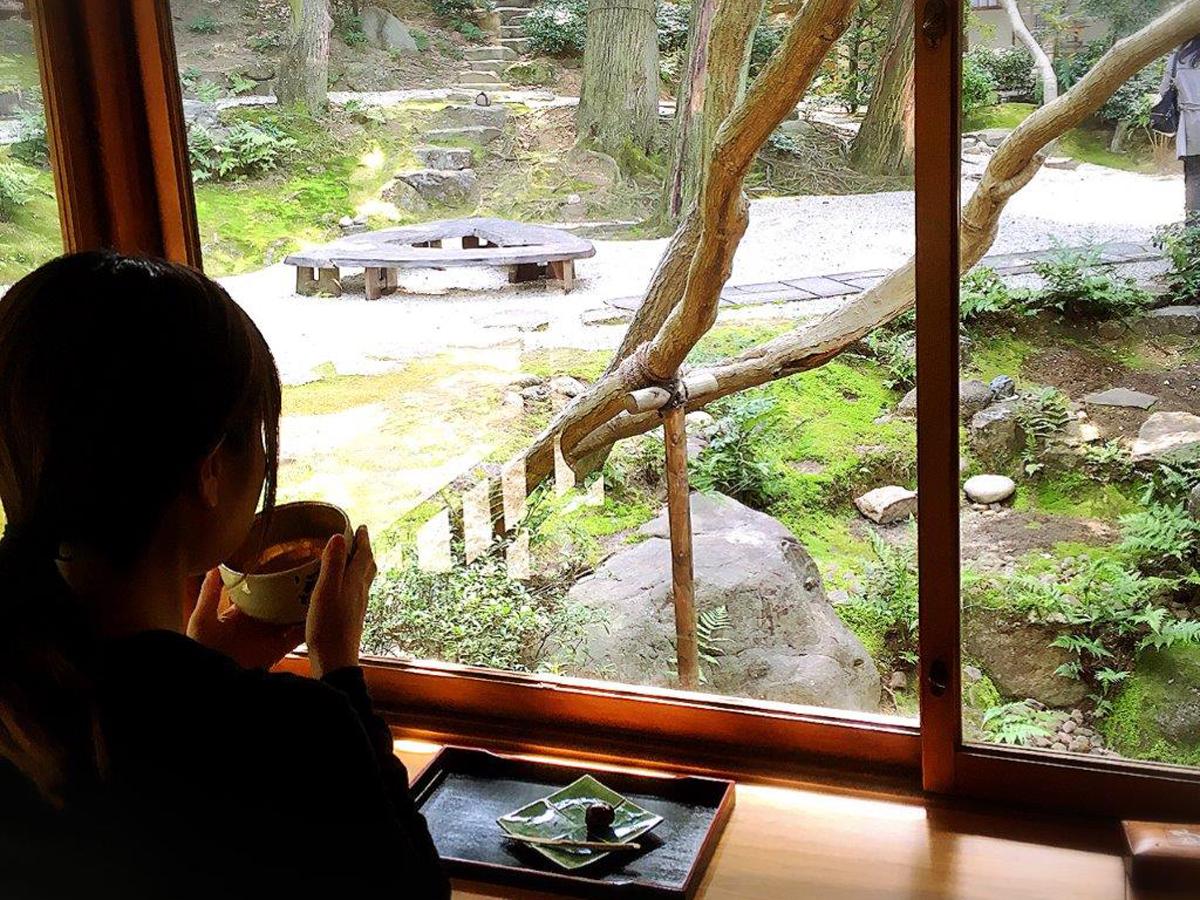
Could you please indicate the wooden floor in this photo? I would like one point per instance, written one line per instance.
(829, 843)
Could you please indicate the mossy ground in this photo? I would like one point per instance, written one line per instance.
(1166, 683)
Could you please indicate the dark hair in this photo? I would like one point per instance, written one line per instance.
(118, 375)
(1189, 53)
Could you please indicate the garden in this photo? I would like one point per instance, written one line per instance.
(1080, 397)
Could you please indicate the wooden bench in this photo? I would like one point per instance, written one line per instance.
(529, 252)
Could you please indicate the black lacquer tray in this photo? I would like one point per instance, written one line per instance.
(463, 791)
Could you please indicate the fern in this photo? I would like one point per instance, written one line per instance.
(1017, 723)
(709, 627)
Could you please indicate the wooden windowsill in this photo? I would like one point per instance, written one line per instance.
(834, 841)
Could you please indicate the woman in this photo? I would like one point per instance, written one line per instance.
(1183, 71)
(139, 420)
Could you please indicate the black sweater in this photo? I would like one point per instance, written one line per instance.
(224, 782)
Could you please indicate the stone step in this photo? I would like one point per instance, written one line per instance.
(518, 44)
(479, 134)
(477, 77)
(486, 86)
(510, 14)
(489, 65)
(475, 54)
(511, 31)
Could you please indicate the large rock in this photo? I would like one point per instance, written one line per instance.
(385, 31)
(477, 134)
(404, 196)
(1167, 435)
(1157, 714)
(464, 116)
(453, 159)
(1171, 320)
(1017, 656)
(1121, 397)
(784, 642)
(530, 72)
(973, 396)
(443, 188)
(989, 488)
(1194, 503)
(995, 435)
(887, 505)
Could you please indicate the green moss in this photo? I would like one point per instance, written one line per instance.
(1075, 494)
(1160, 682)
(551, 361)
(729, 340)
(1002, 354)
(1002, 115)
(18, 61)
(868, 624)
(33, 236)
(1091, 146)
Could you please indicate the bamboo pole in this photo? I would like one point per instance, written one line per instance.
(679, 515)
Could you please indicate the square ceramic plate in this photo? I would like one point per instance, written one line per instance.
(562, 816)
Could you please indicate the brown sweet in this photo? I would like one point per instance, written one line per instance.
(288, 555)
(599, 818)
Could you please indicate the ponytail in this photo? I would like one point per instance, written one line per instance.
(48, 727)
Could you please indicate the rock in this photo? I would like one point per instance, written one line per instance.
(1157, 714)
(473, 116)
(1171, 320)
(989, 488)
(480, 134)
(535, 392)
(524, 380)
(1002, 388)
(530, 72)
(1079, 745)
(972, 397)
(385, 31)
(567, 386)
(1061, 162)
(700, 419)
(443, 188)
(907, 407)
(605, 316)
(992, 137)
(1059, 747)
(1122, 397)
(784, 642)
(1167, 434)
(404, 196)
(1194, 503)
(447, 158)
(1068, 726)
(994, 433)
(886, 505)
(1017, 656)
(972, 673)
(898, 681)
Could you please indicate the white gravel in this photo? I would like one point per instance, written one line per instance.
(787, 238)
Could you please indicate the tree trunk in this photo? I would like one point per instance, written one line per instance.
(719, 42)
(1044, 66)
(853, 54)
(618, 102)
(304, 70)
(709, 236)
(884, 143)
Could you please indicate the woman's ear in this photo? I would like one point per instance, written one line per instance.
(209, 482)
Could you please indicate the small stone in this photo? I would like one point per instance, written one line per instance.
(524, 380)
(345, 222)
(973, 396)
(574, 199)
(1079, 745)
(886, 505)
(1165, 434)
(567, 386)
(972, 673)
(700, 419)
(535, 392)
(1002, 388)
(605, 315)
(1041, 742)
(1033, 704)
(1068, 726)
(898, 681)
(989, 488)
(1059, 747)
(1077, 715)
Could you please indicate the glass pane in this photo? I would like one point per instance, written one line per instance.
(406, 409)
(1081, 415)
(29, 226)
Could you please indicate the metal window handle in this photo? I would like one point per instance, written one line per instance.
(933, 25)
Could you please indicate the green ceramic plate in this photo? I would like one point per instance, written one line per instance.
(561, 816)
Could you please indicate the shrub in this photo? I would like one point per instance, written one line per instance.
(265, 41)
(244, 150)
(474, 615)
(204, 24)
(982, 293)
(349, 27)
(1017, 723)
(1074, 285)
(1181, 243)
(470, 31)
(978, 85)
(420, 38)
(16, 187)
(1011, 70)
(1132, 101)
(557, 26)
(31, 146)
(733, 463)
(896, 352)
(239, 84)
(1162, 539)
(672, 21)
(888, 596)
(1042, 415)
(764, 43)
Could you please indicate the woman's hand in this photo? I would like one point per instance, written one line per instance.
(249, 642)
(339, 604)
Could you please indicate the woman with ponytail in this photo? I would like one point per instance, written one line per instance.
(139, 422)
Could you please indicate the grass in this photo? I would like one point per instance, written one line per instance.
(18, 62)
(33, 237)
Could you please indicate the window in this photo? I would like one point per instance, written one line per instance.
(985, 4)
(532, 710)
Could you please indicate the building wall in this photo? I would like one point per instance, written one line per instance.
(990, 27)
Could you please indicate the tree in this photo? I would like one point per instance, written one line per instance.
(884, 143)
(618, 102)
(681, 301)
(718, 62)
(1041, 60)
(304, 70)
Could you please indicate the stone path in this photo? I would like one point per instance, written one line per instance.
(845, 284)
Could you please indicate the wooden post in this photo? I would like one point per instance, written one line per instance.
(679, 514)
(564, 272)
(376, 281)
(306, 281)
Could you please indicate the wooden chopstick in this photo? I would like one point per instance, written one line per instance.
(570, 844)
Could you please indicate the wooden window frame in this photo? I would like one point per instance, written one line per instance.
(118, 148)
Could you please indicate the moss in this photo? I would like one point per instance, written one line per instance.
(1001, 354)
(1002, 115)
(33, 236)
(551, 361)
(1075, 494)
(868, 625)
(1161, 680)
(729, 340)
(1088, 145)
(18, 61)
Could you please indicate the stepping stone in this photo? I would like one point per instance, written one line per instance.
(630, 304)
(886, 505)
(1171, 320)
(466, 116)
(1167, 434)
(821, 287)
(1123, 397)
(483, 134)
(604, 316)
(475, 76)
(989, 488)
(1061, 162)
(474, 54)
(766, 287)
(444, 158)
(437, 186)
